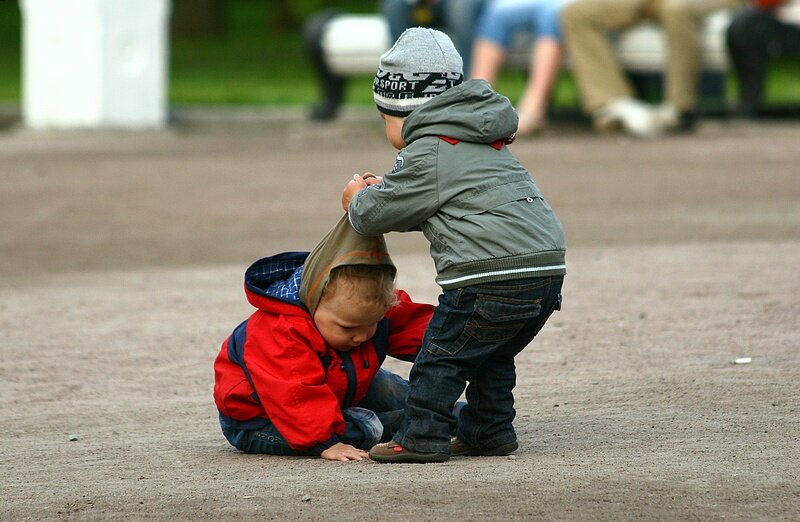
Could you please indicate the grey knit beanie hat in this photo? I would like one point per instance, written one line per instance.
(422, 63)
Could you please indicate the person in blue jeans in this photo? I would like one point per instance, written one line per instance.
(457, 18)
(474, 335)
(500, 22)
(302, 374)
(377, 416)
(497, 245)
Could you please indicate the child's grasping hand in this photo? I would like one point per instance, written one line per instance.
(355, 185)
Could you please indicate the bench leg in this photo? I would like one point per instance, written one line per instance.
(332, 85)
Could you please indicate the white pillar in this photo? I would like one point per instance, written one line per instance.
(94, 63)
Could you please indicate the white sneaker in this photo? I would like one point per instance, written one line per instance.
(634, 117)
(672, 120)
(667, 116)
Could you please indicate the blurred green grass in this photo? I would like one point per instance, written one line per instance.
(246, 65)
(9, 52)
(251, 65)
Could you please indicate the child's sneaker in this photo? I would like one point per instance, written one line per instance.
(392, 452)
(462, 449)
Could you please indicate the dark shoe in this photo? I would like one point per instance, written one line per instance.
(462, 449)
(392, 452)
(688, 122)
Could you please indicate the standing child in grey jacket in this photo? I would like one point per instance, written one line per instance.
(496, 243)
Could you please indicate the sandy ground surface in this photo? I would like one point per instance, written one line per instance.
(121, 257)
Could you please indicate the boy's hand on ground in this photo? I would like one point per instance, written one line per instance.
(343, 452)
(351, 189)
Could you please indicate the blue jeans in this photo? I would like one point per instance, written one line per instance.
(502, 19)
(457, 18)
(474, 335)
(375, 419)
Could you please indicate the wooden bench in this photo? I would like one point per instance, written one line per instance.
(344, 45)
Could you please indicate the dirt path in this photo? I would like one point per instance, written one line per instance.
(120, 272)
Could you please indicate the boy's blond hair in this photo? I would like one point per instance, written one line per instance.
(373, 284)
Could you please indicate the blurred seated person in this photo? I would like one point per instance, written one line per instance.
(500, 22)
(606, 94)
(760, 32)
(457, 18)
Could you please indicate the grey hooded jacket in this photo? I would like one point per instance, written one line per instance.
(484, 216)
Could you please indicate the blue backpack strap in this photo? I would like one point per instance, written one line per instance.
(236, 354)
(381, 340)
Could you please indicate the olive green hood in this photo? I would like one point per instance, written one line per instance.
(341, 246)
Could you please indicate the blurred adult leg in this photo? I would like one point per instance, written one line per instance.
(544, 67)
(586, 24)
(606, 94)
(399, 15)
(681, 20)
(751, 37)
(460, 18)
(500, 22)
(493, 35)
(747, 39)
(487, 59)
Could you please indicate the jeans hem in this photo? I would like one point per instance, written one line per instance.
(423, 448)
(488, 444)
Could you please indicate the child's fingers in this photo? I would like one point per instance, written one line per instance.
(351, 456)
(357, 452)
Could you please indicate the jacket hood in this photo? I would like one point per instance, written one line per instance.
(472, 112)
(298, 278)
(342, 245)
(275, 277)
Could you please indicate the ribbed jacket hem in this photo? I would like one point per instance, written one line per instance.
(542, 264)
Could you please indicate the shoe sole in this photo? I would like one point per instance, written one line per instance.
(500, 451)
(410, 458)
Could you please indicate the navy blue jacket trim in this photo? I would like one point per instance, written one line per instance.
(349, 369)
(236, 354)
(322, 446)
(381, 340)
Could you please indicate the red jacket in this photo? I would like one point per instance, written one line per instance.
(276, 365)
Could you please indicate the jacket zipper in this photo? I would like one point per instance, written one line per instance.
(348, 367)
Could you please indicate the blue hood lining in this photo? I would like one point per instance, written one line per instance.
(288, 288)
(277, 276)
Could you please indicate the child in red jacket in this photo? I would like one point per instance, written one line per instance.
(302, 375)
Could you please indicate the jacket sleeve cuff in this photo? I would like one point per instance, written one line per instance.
(352, 224)
(322, 446)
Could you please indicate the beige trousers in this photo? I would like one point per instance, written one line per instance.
(600, 79)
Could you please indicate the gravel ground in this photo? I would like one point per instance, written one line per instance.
(121, 260)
